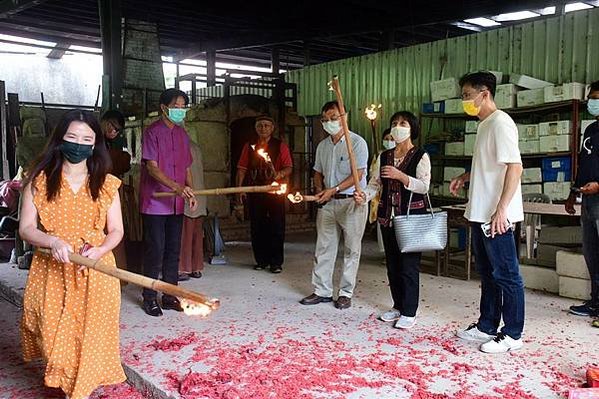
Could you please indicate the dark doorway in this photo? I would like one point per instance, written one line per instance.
(242, 132)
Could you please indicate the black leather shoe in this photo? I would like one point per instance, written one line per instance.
(276, 269)
(171, 303)
(152, 308)
(343, 302)
(196, 274)
(315, 299)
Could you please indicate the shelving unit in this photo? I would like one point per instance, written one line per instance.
(536, 114)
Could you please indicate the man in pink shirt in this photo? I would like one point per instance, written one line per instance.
(166, 166)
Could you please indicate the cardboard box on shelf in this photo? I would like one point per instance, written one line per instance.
(449, 172)
(566, 235)
(529, 98)
(528, 132)
(529, 147)
(532, 189)
(571, 264)
(532, 175)
(528, 82)
(445, 89)
(469, 140)
(554, 143)
(557, 128)
(454, 106)
(471, 127)
(455, 148)
(557, 191)
(505, 96)
(566, 91)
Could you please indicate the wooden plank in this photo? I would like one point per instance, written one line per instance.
(14, 131)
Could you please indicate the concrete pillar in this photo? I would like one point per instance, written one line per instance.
(275, 60)
(110, 13)
(211, 67)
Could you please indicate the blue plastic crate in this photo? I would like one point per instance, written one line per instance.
(557, 169)
(436, 107)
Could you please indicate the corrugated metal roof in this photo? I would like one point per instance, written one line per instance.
(560, 49)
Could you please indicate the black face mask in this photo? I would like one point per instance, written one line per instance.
(75, 153)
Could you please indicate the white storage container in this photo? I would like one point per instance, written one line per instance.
(555, 143)
(554, 128)
(528, 82)
(471, 126)
(445, 89)
(449, 172)
(469, 140)
(532, 188)
(505, 96)
(528, 98)
(528, 132)
(567, 91)
(456, 148)
(454, 106)
(532, 175)
(529, 147)
(557, 191)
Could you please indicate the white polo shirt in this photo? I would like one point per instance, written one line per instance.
(496, 146)
(332, 161)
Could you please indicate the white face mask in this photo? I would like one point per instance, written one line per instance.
(389, 144)
(331, 127)
(400, 133)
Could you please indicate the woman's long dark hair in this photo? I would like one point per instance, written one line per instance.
(51, 160)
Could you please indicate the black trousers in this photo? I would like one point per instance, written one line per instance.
(162, 245)
(267, 220)
(403, 271)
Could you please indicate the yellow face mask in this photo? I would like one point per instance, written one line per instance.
(470, 107)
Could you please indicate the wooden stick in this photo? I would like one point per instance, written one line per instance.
(140, 280)
(225, 190)
(350, 148)
(297, 198)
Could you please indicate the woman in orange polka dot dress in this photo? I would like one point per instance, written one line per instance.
(71, 313)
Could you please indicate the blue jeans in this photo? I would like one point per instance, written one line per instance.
(590, 242)
(502, 288)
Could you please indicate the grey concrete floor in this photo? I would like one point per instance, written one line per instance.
(263, 344)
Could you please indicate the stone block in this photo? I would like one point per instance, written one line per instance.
(213, 139)
(540, 278)
(571, 264)
(208, 110)
(567, 235)
(576, 288)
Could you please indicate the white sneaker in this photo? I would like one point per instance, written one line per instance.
(405, 322)
(472, 333)
(390, 315)
(502, 343)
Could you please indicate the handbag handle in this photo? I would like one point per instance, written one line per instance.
(429, 203)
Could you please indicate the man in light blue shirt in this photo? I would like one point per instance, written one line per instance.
(335, 187)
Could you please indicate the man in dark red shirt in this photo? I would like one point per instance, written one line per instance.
(267, 211)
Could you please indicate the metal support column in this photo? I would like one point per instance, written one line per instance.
(211, 67)
(110, 13)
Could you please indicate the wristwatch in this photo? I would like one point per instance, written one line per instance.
(337, 189)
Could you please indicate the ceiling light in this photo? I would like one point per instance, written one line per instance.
(576, 7)
(548, 11)
(484, 22)
(515, 16)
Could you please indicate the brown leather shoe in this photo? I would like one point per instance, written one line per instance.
(315, 299)
(343, 302)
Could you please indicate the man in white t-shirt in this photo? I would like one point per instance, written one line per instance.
(495, 197)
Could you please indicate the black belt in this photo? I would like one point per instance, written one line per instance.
(343, 196)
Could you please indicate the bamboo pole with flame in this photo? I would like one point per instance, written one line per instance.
(297, 198)
(196, 304)
(275, 188)
(334, 85)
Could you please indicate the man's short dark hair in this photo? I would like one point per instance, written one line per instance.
(330, 105)
(412, 121)
(167, 96)
(480, 80)
(594, 87)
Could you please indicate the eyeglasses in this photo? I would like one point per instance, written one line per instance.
(333, 119)
(471, 95)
